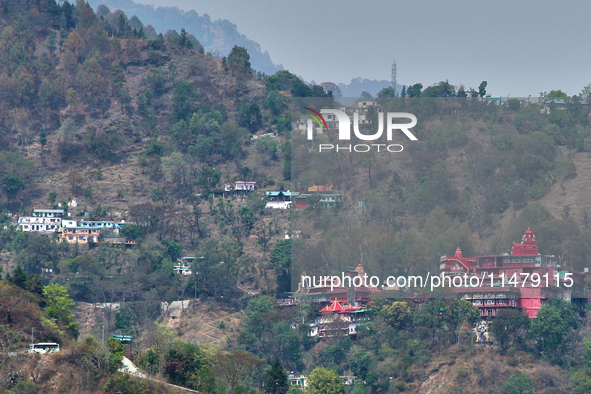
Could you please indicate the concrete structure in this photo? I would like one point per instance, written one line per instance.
(39, 224)
(281, 200)
(244, 185)
(79, 235)
(326, 200)
(48, 213)
(344, 307)
(523, 279)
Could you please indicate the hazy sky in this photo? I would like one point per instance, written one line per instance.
(521, 47)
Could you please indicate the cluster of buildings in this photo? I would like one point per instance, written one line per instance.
(343, 308)
(49, 221)
(322, 195)
(360, 111)
(523, 279)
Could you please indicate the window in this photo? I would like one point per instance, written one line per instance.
(501, 302)
(528, 259)
(506, 259)
(490, 302)
(516, 260)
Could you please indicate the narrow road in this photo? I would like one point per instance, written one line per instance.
(130, 368)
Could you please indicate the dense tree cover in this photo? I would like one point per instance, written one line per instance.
(518, 162)
(403, 337)
(510, 328)
(70, 89)
(239, 60)
(286, 81)
(59, 307)
(324, 381)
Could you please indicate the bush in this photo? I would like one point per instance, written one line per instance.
(126, 384)
(517, 384)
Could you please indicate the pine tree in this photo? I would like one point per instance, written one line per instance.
(19, 278)
(43, 138)
(276, 379)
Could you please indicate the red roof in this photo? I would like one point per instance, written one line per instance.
(334, 307)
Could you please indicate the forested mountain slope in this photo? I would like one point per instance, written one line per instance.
(216, 36)
(150, 130)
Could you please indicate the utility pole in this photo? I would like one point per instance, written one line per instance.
(103, 335)
(32, 334)
(393, 76)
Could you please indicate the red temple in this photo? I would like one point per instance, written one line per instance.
(524, 263)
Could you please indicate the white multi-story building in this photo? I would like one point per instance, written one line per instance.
(39, 224)
(244, 185)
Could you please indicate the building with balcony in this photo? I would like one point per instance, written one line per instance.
(39, 224)
(524, 279)
(79, 235)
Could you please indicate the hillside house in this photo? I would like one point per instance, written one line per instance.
(184, 266)
(79, 235)
(301, 381)
(39, 224)
(244, 186)
(69, 223)
(83, 232)
(42, 221)
(326, 200)
(281, 200)
(100, 224)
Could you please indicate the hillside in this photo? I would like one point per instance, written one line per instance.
(216, 36)
(149, 129)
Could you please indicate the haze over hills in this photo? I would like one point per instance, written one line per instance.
(220, 35)
(359, 85)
